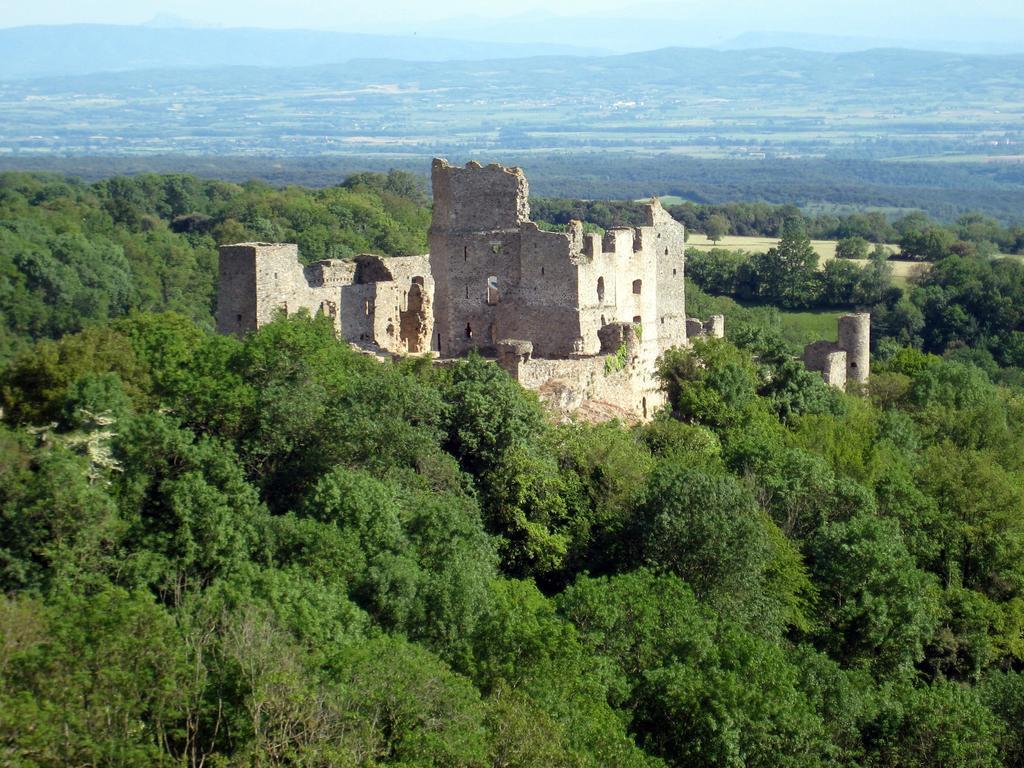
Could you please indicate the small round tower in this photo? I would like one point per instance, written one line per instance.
(855, 340)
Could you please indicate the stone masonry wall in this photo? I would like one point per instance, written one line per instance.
(499, 277)
(366, 299)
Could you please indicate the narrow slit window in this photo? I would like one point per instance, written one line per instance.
(600, 289)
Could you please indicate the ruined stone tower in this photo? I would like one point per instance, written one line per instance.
(855, 340)
(849, 358)
(475, 244)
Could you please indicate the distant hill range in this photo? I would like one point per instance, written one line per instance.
(851, 43)
(805, 76)
(76, 49)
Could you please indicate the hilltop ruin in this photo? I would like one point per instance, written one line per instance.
(580, 318)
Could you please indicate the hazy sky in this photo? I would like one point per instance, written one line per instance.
(796, 15)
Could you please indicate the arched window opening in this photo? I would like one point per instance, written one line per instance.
(638, 286)
(469, 331)
(493, 296)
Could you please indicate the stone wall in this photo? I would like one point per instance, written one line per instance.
(568, 385)
(712, 328)
(260, 280)
(367, 299)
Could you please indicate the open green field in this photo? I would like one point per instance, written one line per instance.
(797, 329)
(826, 249)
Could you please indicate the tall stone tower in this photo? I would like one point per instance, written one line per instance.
(855, 340)
(474, 251)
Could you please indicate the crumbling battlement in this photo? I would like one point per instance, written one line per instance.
(712, 328)
(479, 198)
(849, 358)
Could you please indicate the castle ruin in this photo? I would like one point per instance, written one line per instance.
(580, 318)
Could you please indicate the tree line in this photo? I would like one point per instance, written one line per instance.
(963, 304)
(918, 236)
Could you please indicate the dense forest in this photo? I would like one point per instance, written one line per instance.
(74, 253)
(276, 551)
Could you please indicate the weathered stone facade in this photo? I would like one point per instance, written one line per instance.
(581, 318)
(539, 300)
(372, 301)
(849, 358)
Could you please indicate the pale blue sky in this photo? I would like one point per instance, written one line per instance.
(697, 19)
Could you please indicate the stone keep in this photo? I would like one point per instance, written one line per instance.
(539, 300)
